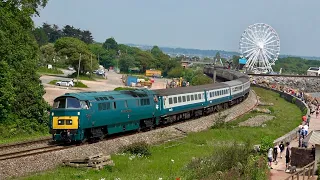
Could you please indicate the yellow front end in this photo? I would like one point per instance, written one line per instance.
(65, 122)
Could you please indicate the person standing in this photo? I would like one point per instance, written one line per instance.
(281, 147)
(288, 155)
(270, 157)
(275, 154)
(308, 120)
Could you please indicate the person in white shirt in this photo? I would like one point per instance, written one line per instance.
(306, 128)
(270, 156)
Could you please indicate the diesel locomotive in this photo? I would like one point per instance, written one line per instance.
(77, 117)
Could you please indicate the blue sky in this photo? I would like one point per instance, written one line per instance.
(201, 24)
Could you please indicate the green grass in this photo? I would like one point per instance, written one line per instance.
(44, 70)
(76, 84)
(20, 138)
(201, 144)
(123, 88)
(92, 77)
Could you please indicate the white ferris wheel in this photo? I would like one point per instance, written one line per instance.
(260, 45)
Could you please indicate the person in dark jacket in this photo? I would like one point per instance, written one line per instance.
(281, 147)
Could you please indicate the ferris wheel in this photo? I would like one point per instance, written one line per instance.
(260, 45)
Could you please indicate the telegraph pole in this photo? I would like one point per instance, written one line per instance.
(91, 66)
(79, 68)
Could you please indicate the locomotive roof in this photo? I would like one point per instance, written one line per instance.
(109, 95)
(189, 89)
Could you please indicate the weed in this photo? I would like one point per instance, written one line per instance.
(138, 148)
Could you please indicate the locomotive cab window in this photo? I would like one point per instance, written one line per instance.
(67, 103)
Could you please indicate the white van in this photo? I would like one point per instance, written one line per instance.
(313, 71)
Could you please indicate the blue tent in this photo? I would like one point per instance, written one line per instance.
(242, 61)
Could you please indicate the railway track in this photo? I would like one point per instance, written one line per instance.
(24, 143)
(31, 152)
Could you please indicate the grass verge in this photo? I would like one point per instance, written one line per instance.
(76, 84)
(44, 70)
(170, 160)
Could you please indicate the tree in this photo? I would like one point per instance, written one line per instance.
(41, 36)
(110, 43)
(201, 79)
(126, 62)
(18, 64)
(48, 54)
(145, 60)
(72, 47)
(176, 72)
(86, 37)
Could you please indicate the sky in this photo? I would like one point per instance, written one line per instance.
(198, 24)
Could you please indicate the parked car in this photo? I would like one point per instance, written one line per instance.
(65, 83)
(71, 68)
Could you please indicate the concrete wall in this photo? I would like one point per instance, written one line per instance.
(303, 106)
(301, 157)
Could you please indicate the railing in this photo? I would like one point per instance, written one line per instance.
(309, 169)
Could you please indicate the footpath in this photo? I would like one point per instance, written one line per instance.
(278, 171)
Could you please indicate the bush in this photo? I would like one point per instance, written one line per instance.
(294, 100)
(271, 109)
(233, 161)
(220, 123)
(123, 88)
(49, 71)
(266, 143)
(139, 148)
(83, 76)
(80, 85)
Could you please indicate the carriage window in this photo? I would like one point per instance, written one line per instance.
(175, 99)
(195, 97)
(170, 100)
(184, 98)
(188, 98)
(192, 97)
(104, 106)
(199, 96)
(114, 105)
(179, 99)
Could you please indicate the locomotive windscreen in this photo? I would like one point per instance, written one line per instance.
(69, 103)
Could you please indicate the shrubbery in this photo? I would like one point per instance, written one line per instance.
(49, 71)
(138, 148)
(234, 161)
(123, 88)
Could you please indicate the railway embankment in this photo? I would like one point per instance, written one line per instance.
(26, 165)
(299, 103)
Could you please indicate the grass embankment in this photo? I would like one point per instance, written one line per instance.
(44, 70)
(86, 77)
(202, 144)
(76, 84)
(23, 137)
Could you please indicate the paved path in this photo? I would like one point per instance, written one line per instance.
(278, 171)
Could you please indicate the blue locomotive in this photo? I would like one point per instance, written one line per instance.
(86, 115)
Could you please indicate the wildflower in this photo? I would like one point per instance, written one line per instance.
(103, 179)
(172, 160)
(160, 178)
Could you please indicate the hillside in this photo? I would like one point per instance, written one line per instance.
(295, 65)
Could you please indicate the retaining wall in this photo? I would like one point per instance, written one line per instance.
(303, 106)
